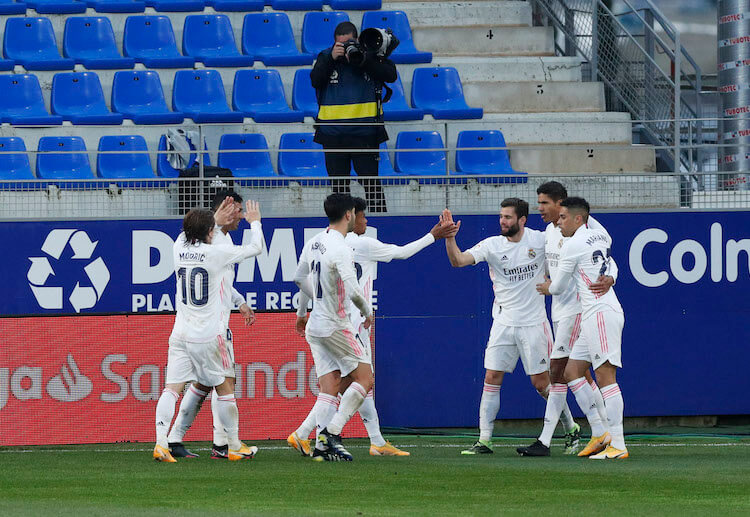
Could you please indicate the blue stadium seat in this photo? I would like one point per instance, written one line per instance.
(438, 91)
(31, 42)
(297, 5)
(139, 96)
(150, 40)
(22, 102)
(422, 163)
(56, 6)
(406, 52)
(67, 165)
(317, 30)
(260, 95)
(133, 165)
(236, 5)
(303, 93)
(209, 38)
(12, 7)
(14, 165)
(199, 94)
(91, 42)
(117, 6)
(164, 169)
(301, 164)
(489, 161)
(7, 65)
(397, 108)
(248, 164)
(174, 6)
(268, 37)
(78, 97)
(355, 5)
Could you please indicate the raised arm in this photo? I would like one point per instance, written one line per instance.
(457, 257)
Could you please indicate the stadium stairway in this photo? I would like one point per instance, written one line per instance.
(535, 98)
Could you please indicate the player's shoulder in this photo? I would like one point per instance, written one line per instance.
(536, 238)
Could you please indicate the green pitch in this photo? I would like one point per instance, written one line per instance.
(664, 475)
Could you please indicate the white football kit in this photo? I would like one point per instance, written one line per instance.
(583, 258)
(326, 274)
(519, 327)
(197, 345)
(566, 307)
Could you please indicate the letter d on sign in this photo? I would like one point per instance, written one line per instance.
(143, 271)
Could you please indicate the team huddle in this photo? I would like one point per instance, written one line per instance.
(570, 261)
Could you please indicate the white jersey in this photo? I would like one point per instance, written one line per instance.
(515, 269)
(235, 298)
(586, 256)
(330, 263)
(566, 304)
(201, 291)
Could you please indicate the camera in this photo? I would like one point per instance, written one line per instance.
(379, 41)
(354, 52)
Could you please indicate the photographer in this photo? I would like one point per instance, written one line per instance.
(348, 82)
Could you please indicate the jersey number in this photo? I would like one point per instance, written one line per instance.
(358, 269)
(196, 272)
(318, 288)
(597, 255)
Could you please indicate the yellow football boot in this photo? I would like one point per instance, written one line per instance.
(610, 453)
(243, 453)
(295, 442)
(596, 444)
(387, 450)
(163, 454)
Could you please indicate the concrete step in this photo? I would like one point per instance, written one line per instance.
(581, 159)
(485, 40)
(518, 97)
(428, 14)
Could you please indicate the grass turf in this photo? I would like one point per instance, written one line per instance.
(663, 476)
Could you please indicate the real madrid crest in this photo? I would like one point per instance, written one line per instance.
(559, 244)
(532, 253)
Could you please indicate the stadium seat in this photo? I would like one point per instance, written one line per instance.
(199, 94)
(236, 5)
(174, 6)
(7, 65)
(12, 7)
(133, 165)
(248, 164)
(260, 95)
(297, 5)
(78, 97)
(396, 108)
(422, 163)
(495, 161)
(438, 91)
(117, 6)
(268, 37)
(150, 40)
(67, 165)
(355, 5)
(301, 164)
(303, 93)
(22, 103)
(317, 30)
(139, 96)
(14, 165)
(91, 42)
(56, 6)
(31, 42)
(209, 38)
(163, 167)
(399, 23)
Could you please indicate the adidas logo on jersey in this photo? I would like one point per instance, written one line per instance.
(543, 361)
(596, 356)
(561, 349)
(505, 257)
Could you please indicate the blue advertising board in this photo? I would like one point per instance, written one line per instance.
(683, 284)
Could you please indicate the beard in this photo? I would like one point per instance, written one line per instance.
(511, 231)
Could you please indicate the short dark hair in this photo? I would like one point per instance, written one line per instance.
(360, 205)
(197, 224)
(553, 189)
(336, 205)
(577, 204)
(223, 194)
(345, 28)
(520, 206)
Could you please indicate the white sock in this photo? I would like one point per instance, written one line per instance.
(615, 407)
(324, 413)
(229, 417)
(488, 408)
(350, 402)
(164, 414)
(370, 418)
(566, 417)
(585, 398)
(191, 403)
(306, 427)
(555, 401)
(220, 435)
(600, 405)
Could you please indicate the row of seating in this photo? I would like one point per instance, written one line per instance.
(207, 38)
(65, 158)
(138, 6)
(199, 95)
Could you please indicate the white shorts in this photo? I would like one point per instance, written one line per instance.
(343, 350)
(600, 340)
(209, 363)
(506, 344)
(567, 332)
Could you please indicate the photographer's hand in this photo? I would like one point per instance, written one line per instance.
(337, 51)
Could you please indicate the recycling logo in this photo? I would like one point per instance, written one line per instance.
(82, 297)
